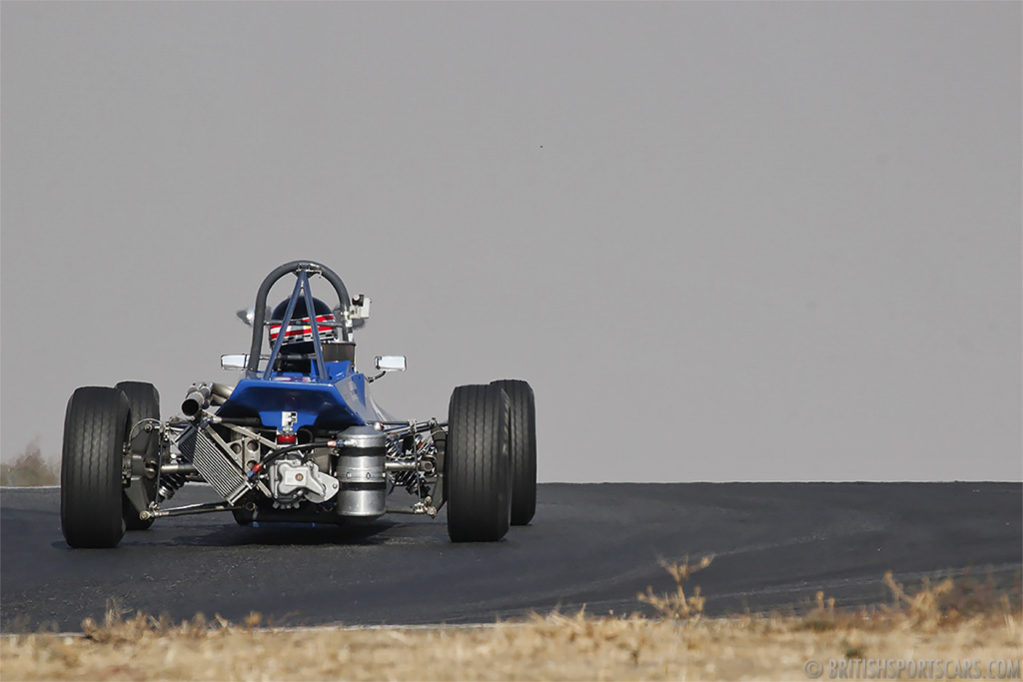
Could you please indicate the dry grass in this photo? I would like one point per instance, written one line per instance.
(930, 623)
(677, 605)
(552, 647)
(30, 468)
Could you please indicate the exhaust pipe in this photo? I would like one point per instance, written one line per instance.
(219, 393)
(197, 400)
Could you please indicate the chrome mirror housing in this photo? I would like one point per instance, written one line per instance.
(235, 361)
(390, 363)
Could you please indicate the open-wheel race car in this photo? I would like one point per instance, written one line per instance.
(298, 438)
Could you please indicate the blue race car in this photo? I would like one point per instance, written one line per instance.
(298, 438)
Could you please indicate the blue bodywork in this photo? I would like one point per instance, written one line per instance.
(333, 405)
(330, 396)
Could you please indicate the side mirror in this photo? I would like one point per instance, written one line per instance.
(239, 361)
(390, 363)
(247, 316)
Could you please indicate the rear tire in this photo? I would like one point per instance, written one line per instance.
(95, 428)
(477, 467)
(143, 403)
(522, 449)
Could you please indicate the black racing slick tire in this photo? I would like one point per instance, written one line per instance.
(477, 467)
(143, 404)
(95, 428)
(522, 449)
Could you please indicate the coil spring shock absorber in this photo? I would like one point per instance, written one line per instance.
(410, 449)
(396, 452)
(169, 484)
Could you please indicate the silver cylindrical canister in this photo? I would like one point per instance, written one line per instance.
(360, 469)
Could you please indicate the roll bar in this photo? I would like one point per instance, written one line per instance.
(296, 267)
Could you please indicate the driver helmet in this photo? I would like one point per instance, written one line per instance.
(298, 337)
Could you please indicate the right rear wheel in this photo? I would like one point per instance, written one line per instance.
(477, 466)
(522, 449)
(95, 428)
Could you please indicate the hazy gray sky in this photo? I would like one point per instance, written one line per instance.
(723, 241)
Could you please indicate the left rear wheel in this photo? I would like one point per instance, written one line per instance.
(144, 408)
(95, 428)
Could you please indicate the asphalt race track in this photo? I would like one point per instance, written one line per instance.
(775, 545)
